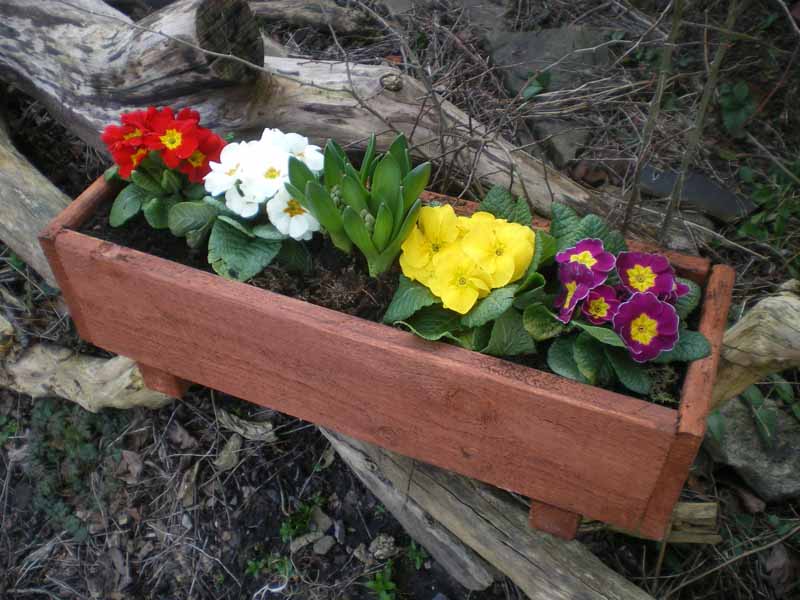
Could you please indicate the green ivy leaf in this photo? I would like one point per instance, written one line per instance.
(602, 334)
(685, 305)
(408, 299)
(589, 356)
(630, 373)
(753, 396)
(692, 345)
(503, 205)
(783, 388)
(540, 323)
(766, 420)
(127, 205)
(508, 337)
(234, 255)
(156, 213)
(433, 323)
(716, 426)
(190, 216)
(294, 256)
(561, 359)
(490, 308)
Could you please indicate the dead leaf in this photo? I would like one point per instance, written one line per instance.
(130, 467)
(180, 437)
(750, 502)
(782, 569)
(256, 431)
(187, 488)
(327, 458)
(229, 455)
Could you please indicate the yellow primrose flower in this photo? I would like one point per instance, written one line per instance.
(502, 249)
(436, 229)
(458, 280)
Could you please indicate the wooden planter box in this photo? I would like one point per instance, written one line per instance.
(573, 448)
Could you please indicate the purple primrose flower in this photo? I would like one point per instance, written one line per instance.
(600, 305)
(591, 254)
(647, 325)
(641, 272)
(577, 280)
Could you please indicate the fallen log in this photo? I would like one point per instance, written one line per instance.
(99, 63)
(319, 14)
(27, 201)
(765, 340)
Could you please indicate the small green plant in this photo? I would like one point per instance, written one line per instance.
(373, 208)
(416, 555)
(299, 521)
(537, 85)
(274, 564)
(737, 107)
(8, 428)
(68, 445)
(382, 585)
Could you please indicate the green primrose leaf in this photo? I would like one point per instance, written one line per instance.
(267, 231)
(537, 295)
(187, 216)
(127, 204)
(561, 358)
(156, 212)
(565, 226)
(503, 205)
(685, 305)
(171, 182)
(293, 256)
(592, 226)
(476, 338)
(508, 337)
(692, 345)
(544, 249)
(432, 323)
(630, 373)
(540, 323)
(408, 299)
(236, 224)
(235, 255)
(194, 191)
(111, 173)
(147, 182)
(490, 307)
(589, 356)
(602, 334)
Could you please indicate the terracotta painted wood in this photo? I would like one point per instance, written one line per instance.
(580, 449)
(163, 382)
(553, 520)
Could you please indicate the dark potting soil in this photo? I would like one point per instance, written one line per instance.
(339, 282)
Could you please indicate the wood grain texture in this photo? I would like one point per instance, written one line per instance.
(161, 381)
(553, 520)
(695, 403)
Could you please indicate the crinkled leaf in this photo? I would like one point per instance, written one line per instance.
(145, 181)
(589, 356)
(537, 295)
(716, 426)
(686, 304)
(545, 248)
(236, 224)
(630, 373)
(171, 182)
(490, 308)
(294, 256)
(189, 216)
(565, 226)
(508, 337)
(692, 345)
(267, 231)
(592, 226)
(433, 323)
(602, 334)
(476, 338)
(156, 211)
(503, 205)
(127, 204)
(540, 323)
(408, 299)
(561, 358)
(194, 191)
(234, 255)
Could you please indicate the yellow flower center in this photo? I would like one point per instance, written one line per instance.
(641, 278)
(272, 173)
(133, 134)
(232, 171)
(172, 139)
(462, 281)
(598, 308)
(435, 247)
(293, 208)
(197, 159)
(644, 329)
(137, 156)
(585, 258)
(571, 287)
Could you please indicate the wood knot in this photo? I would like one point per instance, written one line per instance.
(392, 82)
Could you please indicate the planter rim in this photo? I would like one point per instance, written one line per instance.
(680, 429)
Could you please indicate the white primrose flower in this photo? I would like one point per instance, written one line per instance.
(243, 205)
(290, 218)
(264, 171)
(295, 144)
(227, 171)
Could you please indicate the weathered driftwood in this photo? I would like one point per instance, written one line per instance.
(765, 340)
(319, 14)
(96, 66)
(27, 202)
(487, 520)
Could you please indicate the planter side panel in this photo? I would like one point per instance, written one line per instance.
(576, 447)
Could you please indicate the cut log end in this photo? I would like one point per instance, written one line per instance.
(229, 27)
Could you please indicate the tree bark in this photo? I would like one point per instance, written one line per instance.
(94, 65)
(765, 340)
(27, 202)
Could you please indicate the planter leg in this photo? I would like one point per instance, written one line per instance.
(555, 521)
(163, 382)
